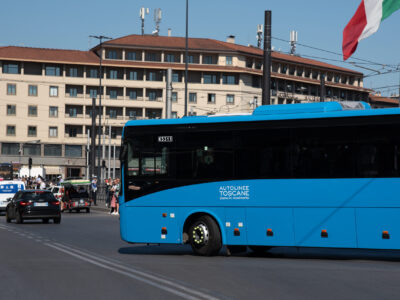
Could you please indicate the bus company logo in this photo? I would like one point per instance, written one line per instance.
(232, 192)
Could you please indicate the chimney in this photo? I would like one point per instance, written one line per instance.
(169, 32)
(230, 39)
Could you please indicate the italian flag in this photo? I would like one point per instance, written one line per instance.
(365, 22)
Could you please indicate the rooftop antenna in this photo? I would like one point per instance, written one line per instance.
(259, 35)
(142, 14)
(157, 20)
(293, 42)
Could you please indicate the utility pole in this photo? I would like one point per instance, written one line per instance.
(100, 38)
(322, 91)
(109, 151)
(186, 57)
(93, 137)
(87, 155)
(114, 163)
(266, 91)
(168, 102)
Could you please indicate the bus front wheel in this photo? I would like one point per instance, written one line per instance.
(205, 236)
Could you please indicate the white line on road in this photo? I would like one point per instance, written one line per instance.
(157, 282)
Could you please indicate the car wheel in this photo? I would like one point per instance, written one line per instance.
(78, 210)
(88, 210)
(45, 221)
(205, 236)
(57, 220)
(8, 219)
(18, 218)
(70, 210)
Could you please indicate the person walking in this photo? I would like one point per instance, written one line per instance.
(93, 187)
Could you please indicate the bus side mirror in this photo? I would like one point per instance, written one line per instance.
(8, 199)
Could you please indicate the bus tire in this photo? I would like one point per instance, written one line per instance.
(205, 236)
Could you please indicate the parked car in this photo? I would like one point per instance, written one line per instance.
(76, 195)
(33, 204)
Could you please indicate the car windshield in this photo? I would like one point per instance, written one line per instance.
(39, 195)
(55, 190)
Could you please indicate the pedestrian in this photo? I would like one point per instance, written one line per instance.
(113, 203)
(93, 187)
(117, 187)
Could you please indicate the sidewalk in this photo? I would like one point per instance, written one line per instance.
(101, 206)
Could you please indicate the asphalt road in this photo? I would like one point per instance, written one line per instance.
(84, 258)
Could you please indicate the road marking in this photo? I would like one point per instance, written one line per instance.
(115, 266)
(167, 285)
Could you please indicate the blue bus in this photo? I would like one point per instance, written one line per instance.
(304, 175)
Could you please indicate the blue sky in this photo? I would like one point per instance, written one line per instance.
(67, 25)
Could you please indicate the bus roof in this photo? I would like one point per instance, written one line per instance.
(281, 112)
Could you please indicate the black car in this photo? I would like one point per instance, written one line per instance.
(33, 204)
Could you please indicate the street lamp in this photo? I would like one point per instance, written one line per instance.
(100, 38)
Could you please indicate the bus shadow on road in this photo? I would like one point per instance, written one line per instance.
(277, 252)
(330, 254)
(141, 249)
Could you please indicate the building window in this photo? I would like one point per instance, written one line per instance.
(132, 75)
(53, 71)
(54, 91)
(210, 78)
(229, 60)
(32, 149)
(11, 68)
(53, 111)
(150, 56)
(113, 74)
(32, 131)
(130, 56)
(230, 99)
(32, 90)
(207, 59)
(73, 112)
(174, 97)
(93, 73)
(229, 79)
(113, 94)
(72, 131)
(211, 98)
(73, 150)
(174, 115)
(170, 58)
(53, 131)
(11, 89)
(190, 59)
(72, 72)
(11, 110)
(11, 130)
(152, 76)
(32, 111)
(192, 97)
(10, 148)
(111, 54)
(175, 77)
(113, 113)
(152, 95)
(132, 95)
(73, 92)
(93, 93)
(52, 150)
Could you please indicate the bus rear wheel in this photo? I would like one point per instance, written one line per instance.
(205, 236)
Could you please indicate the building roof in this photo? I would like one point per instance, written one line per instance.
(152, 42)
(198, 44)
(380, 99)
(51, 55)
